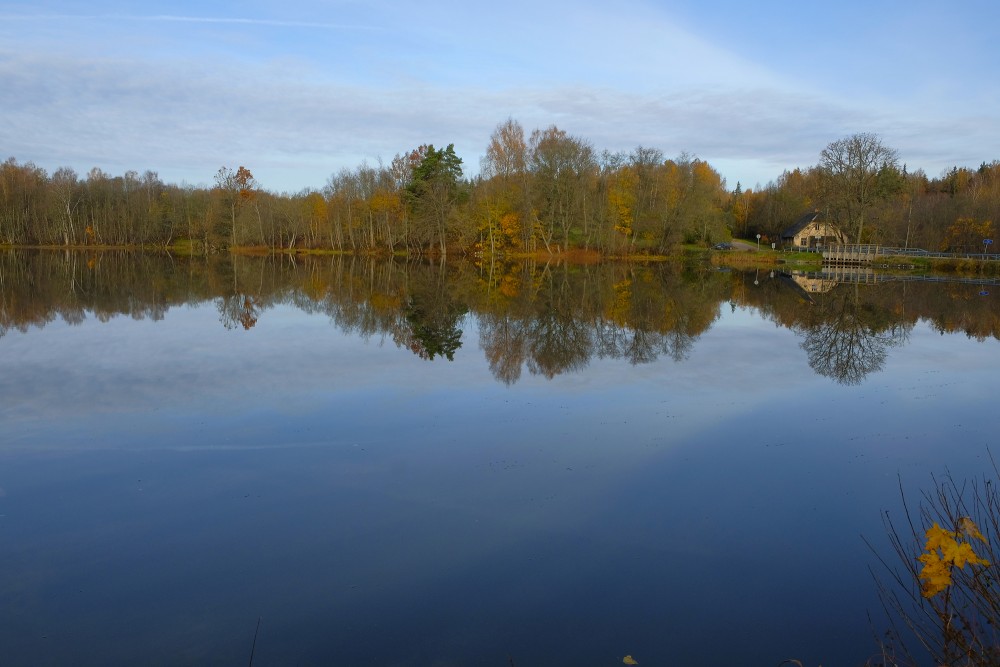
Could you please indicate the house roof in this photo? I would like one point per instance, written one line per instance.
(800, 224)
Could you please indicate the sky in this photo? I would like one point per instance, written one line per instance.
(298, 90)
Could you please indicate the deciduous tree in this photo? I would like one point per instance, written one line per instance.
(239, 188)
(563, 169)
(855, 177)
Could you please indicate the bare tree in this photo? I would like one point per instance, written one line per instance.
(66, 188)
(239, 187)
(854, 173)
(504, 172)
(563, 167)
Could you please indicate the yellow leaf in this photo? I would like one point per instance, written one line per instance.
(629, 660)
(935, 575)
(960, 553)
(938, 537)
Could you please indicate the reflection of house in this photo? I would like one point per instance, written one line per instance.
(811, 231)
(813, 282)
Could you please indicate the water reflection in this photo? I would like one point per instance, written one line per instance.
(846, 338)
(547, 318)
(329, 469)
(238, 310)
(433, 315)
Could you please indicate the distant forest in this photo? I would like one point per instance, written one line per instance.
(546, 191)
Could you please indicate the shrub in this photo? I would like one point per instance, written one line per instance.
(941, 591)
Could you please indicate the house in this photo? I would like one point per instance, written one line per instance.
(811, 231)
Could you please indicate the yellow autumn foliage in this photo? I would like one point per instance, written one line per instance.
(386, 303)
(510, 225)
(619, 309)
(944, 550)
(510, 286)
(622, 200)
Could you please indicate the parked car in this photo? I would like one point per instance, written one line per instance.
(723, 246)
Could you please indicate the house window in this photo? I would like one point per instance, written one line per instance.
(803, 241)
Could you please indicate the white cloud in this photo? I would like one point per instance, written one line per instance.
(275, 91)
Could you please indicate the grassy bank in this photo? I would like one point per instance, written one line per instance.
(962, 266)
(807, 261)
(738, 257)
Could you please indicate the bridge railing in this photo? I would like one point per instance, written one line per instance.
(864, 251)
(851, 254)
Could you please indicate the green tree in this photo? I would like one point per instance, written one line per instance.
(434, 191)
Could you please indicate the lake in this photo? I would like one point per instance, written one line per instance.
(337, 460)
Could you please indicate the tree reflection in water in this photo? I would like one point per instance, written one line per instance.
(434, 327)
(846, 340)
(547, 318)
(238, 310)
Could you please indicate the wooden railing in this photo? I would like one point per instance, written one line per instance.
(850, 254)
(853, 255)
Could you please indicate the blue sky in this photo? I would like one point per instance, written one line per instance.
(297, 90)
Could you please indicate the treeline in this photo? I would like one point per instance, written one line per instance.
(860, 185)
(547, 191)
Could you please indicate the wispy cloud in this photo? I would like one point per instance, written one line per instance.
(296, 104)
(180, 119)
(168, 18)
(248, 21)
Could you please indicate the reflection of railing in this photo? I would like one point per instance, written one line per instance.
(843, 274)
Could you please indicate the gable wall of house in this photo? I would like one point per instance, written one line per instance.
(818, 233)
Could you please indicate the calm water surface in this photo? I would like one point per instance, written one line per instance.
(392, 465)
